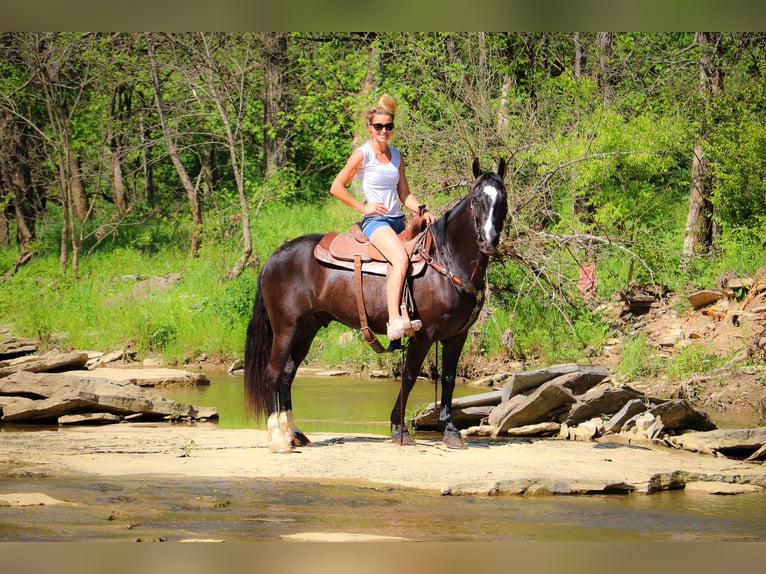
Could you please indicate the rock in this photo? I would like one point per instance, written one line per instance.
(644, 427)
(735, 283)
(44, 397)
(705, 297)
(732, 443)
(491, 398)
(679, 415)
(536, 407)
(89, 418)
(540, 429)
(629, 410)
(602, 400)
(462, 418)
(717, 487)
(105, 359)
(466, 411)
(496, 380)
(29, 499)
(12, 348)
(585, 375)
(478, 431)
(586, 431)
(762, 410)
(759, 454)
(53, 362)
(146, 377)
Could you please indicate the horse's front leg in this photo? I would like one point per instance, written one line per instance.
(416, 352)
(451, 350)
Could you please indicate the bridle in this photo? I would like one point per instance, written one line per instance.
(461, 284)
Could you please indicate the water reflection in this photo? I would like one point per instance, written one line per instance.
(321, 404)
(265, 510)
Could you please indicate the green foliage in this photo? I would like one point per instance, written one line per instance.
(599, 171)
(692, 359)
(638, 359)
(740, 173)
(340, 347)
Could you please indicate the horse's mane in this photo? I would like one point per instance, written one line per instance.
(439, 229)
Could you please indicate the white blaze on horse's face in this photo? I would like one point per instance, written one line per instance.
(489, 226)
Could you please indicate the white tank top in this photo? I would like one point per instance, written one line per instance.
(379, 180)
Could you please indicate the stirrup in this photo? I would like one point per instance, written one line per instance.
(409, 326)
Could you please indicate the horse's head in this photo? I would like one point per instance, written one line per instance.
(489, 206)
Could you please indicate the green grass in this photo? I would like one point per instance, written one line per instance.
(638, 360)
(115, 302)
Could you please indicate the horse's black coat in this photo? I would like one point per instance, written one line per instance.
(297, 295)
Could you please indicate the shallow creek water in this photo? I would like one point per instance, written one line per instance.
(258, 510)
(150, 509)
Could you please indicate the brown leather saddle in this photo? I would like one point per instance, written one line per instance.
(355, 252)
(345, 249)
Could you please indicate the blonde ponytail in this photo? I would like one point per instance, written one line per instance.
(386, 105)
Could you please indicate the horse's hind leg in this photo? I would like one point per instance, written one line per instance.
(287, 434)
(277, 425)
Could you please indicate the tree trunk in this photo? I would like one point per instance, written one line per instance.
(119, 194)
(604, 49)
(146, 149)
(120, 105)
(274, 101)
(232, 124)
(578, 57)
(77, 189)
(699, 229)
(17, 181)
(191, 191)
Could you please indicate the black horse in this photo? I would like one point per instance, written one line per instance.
(297, 295)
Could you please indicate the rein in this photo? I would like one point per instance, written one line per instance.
(459, 283)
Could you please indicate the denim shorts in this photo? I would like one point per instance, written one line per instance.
(372, 222)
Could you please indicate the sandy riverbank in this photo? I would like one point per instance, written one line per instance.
(487, 467)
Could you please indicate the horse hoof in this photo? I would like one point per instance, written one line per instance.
(280, 448)
(454, 441)
(300, 439)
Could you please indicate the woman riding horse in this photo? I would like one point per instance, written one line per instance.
(381, 172)
(297, 295)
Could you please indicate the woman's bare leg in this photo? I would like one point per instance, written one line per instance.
(387, 242)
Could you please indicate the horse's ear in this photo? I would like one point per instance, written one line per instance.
(476, 167)
(501, 168)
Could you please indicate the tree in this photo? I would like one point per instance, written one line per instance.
(225, 68)
(275, 106)
(56, 65)
(192, 191)
(698, 232)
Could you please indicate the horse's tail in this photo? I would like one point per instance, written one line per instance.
(258, 387)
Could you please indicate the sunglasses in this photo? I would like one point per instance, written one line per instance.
(379, 127)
